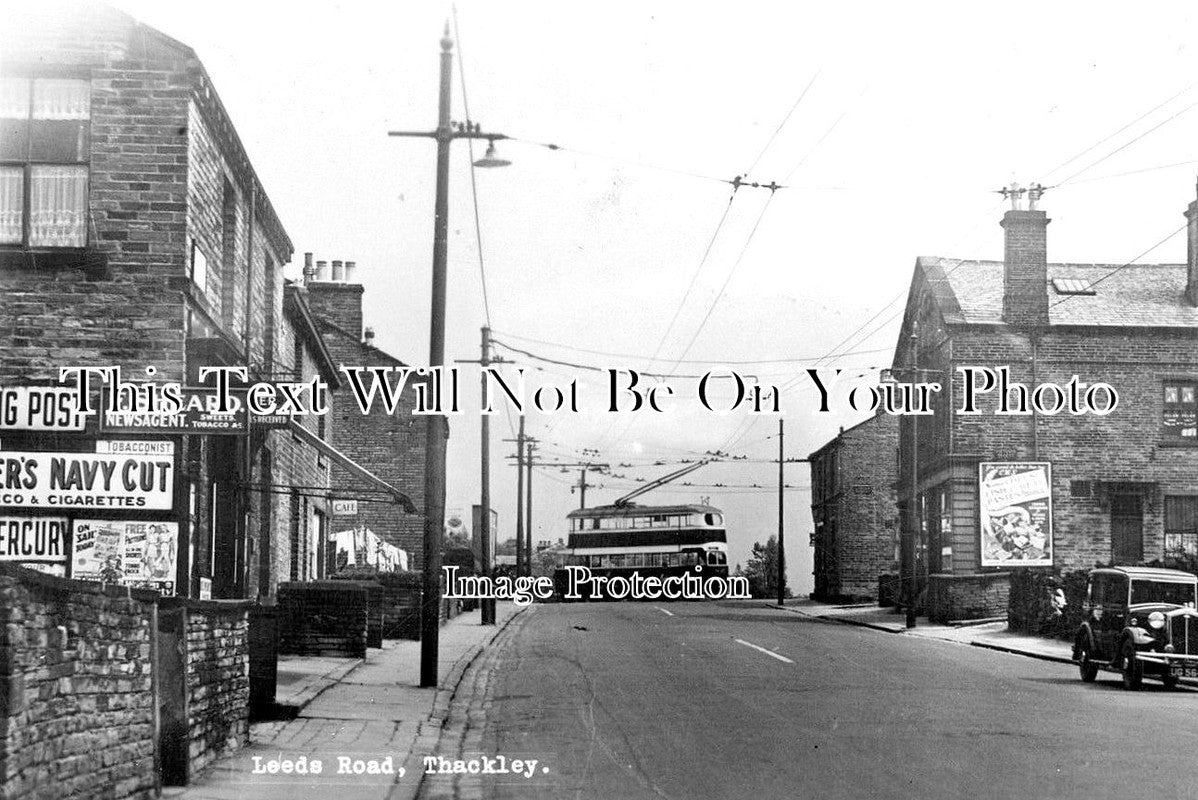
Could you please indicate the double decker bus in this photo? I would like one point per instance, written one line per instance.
(653, 541)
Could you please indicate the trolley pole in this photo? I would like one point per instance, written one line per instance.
(781, 520)
(488, 605)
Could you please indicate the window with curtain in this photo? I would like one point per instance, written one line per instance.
(1181, 526)
(44, 147)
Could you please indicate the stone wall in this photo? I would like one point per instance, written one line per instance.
(323, 618)
(854, 509)
(76, 689)
(963, 597)
(218, 679)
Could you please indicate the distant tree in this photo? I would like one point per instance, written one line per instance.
(762, 569)
(506, 548)
(457, 540)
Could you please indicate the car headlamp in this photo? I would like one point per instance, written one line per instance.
(1156, 620)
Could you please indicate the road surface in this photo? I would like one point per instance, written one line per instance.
(687, 701)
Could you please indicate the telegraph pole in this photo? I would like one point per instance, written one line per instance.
(488, 605)
(520, 496)
(781, 522)
(528, 516)
(913, 496)
(582, 489)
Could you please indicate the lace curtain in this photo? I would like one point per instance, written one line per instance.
(12, 204)
(58, 207)
(61, 99)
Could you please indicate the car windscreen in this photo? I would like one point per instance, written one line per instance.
(1179, 594)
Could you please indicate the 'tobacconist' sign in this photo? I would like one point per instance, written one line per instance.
(87, 480)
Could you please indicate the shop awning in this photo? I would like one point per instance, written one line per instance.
(351, 465)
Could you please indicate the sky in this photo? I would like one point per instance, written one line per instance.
(890, 125)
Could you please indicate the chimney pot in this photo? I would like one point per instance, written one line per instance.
(308, 268)
(322, 270)
(369, 335)
(338, 272)
(351, 269)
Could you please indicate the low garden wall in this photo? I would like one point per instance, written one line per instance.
(952, 598)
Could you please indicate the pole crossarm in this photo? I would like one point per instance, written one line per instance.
(452, 134)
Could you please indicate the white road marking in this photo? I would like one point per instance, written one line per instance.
(770, 653)
(667, 613)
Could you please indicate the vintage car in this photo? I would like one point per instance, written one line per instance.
(1139, 621)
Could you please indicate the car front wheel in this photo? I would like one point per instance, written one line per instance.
(1133, 670)
(1087, 668)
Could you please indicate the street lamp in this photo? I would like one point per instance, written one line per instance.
(434, 464)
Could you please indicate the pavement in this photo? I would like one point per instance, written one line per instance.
(988, 634)
(366, 722)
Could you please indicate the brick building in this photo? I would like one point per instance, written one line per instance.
(392, 446)
(853, 508)
(135, 232)
(996, 492)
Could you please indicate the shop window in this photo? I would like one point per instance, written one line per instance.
(44, 150)
(1180, 413)
(1181, 527)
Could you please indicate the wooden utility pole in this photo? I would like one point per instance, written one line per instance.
(487, 605)
(781, 520)
(434, 462)
(531, 445)
(520, 497)
(913, 495)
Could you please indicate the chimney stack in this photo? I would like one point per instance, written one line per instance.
(335, 298)
(1192, 254)
(1025, 265)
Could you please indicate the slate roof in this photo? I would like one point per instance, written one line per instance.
(1137, 295)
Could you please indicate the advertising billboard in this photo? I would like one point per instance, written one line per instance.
(132, 553)
(1015, 504)
(129, 476)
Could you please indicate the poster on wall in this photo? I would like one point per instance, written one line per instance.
(133, 553)
(1015, 501)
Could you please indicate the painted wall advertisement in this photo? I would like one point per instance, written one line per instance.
(1015, 502)
(133, 553)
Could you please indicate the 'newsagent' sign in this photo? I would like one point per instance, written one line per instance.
(1015, 500)
(140, 480)
(198, 412)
